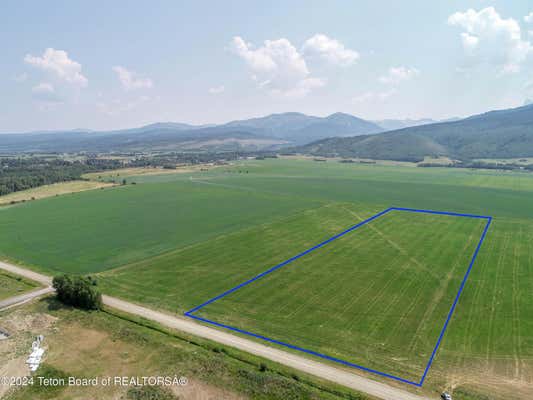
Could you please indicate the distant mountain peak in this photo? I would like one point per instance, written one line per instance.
(288, 114)
(340, 116)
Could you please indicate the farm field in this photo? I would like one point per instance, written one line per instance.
(55, 189)
(175, 240)
(124, 173)
(377, 296)
(394, 247)
(101, 229)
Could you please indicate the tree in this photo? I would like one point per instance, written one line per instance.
(77, 291)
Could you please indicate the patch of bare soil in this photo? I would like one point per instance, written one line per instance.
(20, 321)
(15, 367)
(496, 385)
(22, 327)
(80, 351)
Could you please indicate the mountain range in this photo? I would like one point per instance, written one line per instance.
(270, 132)
(300, 128)
(496, 134)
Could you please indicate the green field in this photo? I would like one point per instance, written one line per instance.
(102, 229)
(174, 241)
(382, 292)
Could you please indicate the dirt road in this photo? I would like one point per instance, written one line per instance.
(23, 298)
(337, 375)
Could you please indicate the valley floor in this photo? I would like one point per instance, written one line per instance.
(173, 241)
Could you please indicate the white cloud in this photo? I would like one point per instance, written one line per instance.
(45, 92)
(330, 50)
(396, 75)
(277, 66)
(118, 106)
(216, 89)
(130, 80)
(489, 38)
(58, 63)
(529, 18)
(374, 96)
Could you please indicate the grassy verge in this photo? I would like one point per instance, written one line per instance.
(12, 285)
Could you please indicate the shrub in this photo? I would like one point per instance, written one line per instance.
(77, 291)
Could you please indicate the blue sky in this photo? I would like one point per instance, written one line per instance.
(107, 65)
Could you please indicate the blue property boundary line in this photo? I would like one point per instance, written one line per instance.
(366, 221)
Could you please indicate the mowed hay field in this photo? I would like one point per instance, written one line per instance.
(377, 296)
(174, 241)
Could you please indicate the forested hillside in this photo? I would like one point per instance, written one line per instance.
(495, 134)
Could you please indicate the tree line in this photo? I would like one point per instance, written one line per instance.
(25, 173)
(21, 173)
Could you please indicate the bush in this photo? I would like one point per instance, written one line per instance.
(77, 291)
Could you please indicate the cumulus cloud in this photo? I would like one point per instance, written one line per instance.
(529, 18)
(130, 80)
(216, 89)
(396, 75)
(489, 38)
(58, 63)
(277, 66)
(45, 92)
(374, 96)
(330, 50)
